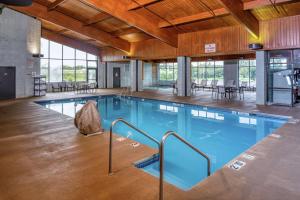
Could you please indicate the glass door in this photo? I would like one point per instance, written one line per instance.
(92, 72)
(280, 77)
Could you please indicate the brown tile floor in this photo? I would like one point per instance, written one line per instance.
(42, 156)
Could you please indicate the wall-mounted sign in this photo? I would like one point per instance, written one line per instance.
(210, 48)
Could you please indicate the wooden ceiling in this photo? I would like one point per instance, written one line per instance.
(118, 23)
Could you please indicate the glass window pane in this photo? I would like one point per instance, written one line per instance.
(44, 68)
(175, 73)
(210, 73)
(210, 64)
(195, 74)
(80, 55)
(244, 75)
(253, 76)
(92, 75)
(219, 75)
(244, 63)
(81, 70)
(55, 50)
(69, 70)
(45, 47)
(219, 64)
(92, 64)
(162, 72)
(69, 53)
(91, 57)
(55, 70)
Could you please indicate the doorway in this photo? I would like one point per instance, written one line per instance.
(92, 75)
(116, 77)
(7, 82)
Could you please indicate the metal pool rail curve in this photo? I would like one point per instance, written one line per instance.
(161, 159)
(131, 126)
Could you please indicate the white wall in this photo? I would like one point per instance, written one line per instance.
(19, 39)
(261, 78)
(231, 71)
(124, 67)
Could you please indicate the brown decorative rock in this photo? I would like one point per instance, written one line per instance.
(88, 120)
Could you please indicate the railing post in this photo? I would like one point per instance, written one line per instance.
(110, 151)
(111, 140)
(161, 160)
(161, 170)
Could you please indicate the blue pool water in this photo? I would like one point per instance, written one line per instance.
(221, 134)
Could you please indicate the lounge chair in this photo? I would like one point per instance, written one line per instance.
(70, 86)
(175, 88)
(202, 85)
(213, 84)
(62, 86)
(92, 87)
(193, 87)
(55, 87)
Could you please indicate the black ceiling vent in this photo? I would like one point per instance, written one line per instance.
(16, 2)
(255, 46)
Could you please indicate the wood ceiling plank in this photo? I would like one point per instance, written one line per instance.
(125, 31)
(142, 20)
(261, 3)
(193, 18)
(40, 11)
(133, 5)
(97, 18)
(244, 17)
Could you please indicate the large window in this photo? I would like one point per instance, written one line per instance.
(247, 73)
(63, 63)
(168, 71)
(209, 70)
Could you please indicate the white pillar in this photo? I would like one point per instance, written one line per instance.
(136, 73)
(184, 76)
(102, 75)
(261, 77)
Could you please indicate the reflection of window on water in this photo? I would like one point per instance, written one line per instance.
(247, 120)
(205, 114)
(168, 108)
(68, 109)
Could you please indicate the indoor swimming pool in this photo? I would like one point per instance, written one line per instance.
(220, 133)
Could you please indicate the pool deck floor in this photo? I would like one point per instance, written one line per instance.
(42, 156)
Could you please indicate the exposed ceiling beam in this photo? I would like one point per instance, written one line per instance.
(244, 17)
(193, 18)
(97, 18)
(40, 11)
(77, 44)
(62, 31)
(142, 20)
(261, 3)
(125, 31)
(56, 3)
(133, 5)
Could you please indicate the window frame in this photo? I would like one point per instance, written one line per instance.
(249, 66)
(62, 61)
(203, 68)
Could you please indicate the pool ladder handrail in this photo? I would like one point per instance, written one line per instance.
(131, 126)
(161, 159)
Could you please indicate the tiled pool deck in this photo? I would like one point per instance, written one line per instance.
(42, 156)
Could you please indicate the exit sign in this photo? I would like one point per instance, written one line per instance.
(210, 48)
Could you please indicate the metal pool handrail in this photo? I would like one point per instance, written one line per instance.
(131, 126)
(161, 159)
